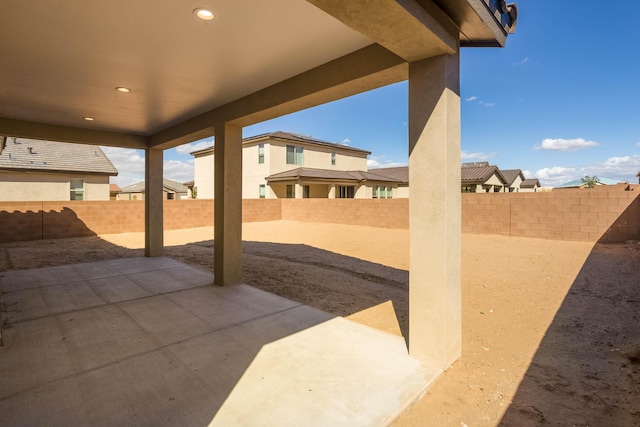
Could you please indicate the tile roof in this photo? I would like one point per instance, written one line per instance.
(356, 176)
(114, 188)
(400, 173)
(479, 174)
(167, 184)
(510, 175)
(530, 183)
(51, 156)
(293, 137)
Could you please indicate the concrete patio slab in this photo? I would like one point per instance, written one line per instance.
(149, 341)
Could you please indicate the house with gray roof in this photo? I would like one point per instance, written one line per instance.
(171, 190)
(514, 178)
(288, 165)
(36, 170)
(530, 185)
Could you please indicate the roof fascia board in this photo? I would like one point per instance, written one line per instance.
(488, 14)
(43, 131)
(365, 69)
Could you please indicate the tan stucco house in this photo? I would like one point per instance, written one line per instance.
(530, 185)
(514, 178)
(287, 165)
(171, 190)
(36, 170)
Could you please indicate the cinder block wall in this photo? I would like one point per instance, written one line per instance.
(384, 213)
(607, 214)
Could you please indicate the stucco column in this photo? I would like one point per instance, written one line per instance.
(153, 200)
(332, 191)
(435, 326)
(228, 205)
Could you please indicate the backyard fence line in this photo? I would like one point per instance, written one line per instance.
(606, 214)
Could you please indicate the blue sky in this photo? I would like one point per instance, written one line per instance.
(559, 102)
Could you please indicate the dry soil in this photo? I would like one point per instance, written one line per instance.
(551, 329)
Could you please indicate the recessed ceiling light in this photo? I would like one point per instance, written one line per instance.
(89, 119)
(204, 14)
(123, 89)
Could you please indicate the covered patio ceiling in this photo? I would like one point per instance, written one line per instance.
(62, 61)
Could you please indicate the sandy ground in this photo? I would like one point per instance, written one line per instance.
(551, 329)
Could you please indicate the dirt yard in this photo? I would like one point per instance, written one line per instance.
(551, 329)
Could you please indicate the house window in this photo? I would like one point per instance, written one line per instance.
(291, 192)
(347, 191)
(170, 196)
(262, 191)
(305, 191)
(382, 192)
(261, 153)
(468, 188)
(77, 189)
(374, 192)
(295, 155)
(333, 158)
(389, 193)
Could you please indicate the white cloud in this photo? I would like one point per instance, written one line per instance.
(376, 162)
(346, 141)
(638, 143)
(188, 148)
(560, 144)
(471, 98)
(128, 162)
(526, 173)
(489, 104)
(622, 169)
(178, 170)
(465, 155)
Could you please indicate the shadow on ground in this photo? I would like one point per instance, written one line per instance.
(594, 379)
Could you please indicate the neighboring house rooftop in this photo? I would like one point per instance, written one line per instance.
(530, 183)
(479, 174)
(167, 184)
(288, 137)
(356, 176)
(22, 154)
(400, 173)
(510, 175)
(114, 188)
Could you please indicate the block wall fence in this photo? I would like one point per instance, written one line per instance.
(606, 214)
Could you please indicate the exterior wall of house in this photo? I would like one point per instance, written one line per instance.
(203, 176)
(515, 186)
(50, 186)
(529, 190)
(491, 183)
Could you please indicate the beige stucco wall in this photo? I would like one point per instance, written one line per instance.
(203, 176)
(516, 184)
(22, 187)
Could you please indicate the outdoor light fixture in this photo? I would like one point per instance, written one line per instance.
(204, 14)
(123, 89)
(89, 119)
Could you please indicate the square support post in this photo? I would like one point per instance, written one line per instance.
(228, 205)
(435, 310)
(153, 204)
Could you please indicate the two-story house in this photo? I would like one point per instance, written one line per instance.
(287, 165)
